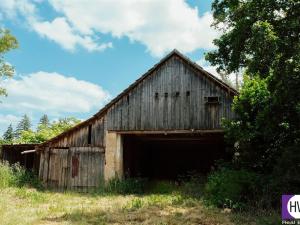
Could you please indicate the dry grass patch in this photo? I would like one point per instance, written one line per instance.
(28, 206)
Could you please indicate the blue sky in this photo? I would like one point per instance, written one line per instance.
(74, 57)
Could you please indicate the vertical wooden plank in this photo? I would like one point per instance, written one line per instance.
(79, 183)
(52, 168)
(88, 168)
(91, 174)
(94, 178)
(86, 162)
(74, 178)
(51, 172)
(41, 167)
(69, 167)
(95, 167)
(98, 167)
(60, 171)
(46, 165)
(56, 168)
(65, 169)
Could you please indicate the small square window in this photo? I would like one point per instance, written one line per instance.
(212, 100)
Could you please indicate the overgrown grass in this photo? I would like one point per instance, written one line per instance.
(120, 202)
(30, 206)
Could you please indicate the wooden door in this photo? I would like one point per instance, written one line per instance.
(87, 165)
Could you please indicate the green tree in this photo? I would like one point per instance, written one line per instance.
(8, 135)
(262, 37)
(64, 124)
(255, 34)
(7, 43)
(45, 133)
(23, 125)
(249, 131)
(44, 122)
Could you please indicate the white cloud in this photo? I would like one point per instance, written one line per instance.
(6, 120)
(60, 32)
(52, 93)
(12, 8)
(159, 25)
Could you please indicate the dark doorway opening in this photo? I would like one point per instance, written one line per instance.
(166, 157)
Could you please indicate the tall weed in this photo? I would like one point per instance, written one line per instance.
(16, 176)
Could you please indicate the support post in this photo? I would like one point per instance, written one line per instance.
(113, 156)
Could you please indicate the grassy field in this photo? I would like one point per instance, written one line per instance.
(29, 206)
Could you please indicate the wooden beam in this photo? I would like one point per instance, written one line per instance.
(28, 151)
(201, 139)
(166, 132)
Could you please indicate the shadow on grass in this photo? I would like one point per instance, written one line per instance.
(143, 215)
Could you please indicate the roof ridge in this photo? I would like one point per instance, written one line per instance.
(145, 75)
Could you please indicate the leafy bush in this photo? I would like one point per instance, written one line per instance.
(231, 188)
(17, 176)
(248, 131)
(267, 146)
(126, 186)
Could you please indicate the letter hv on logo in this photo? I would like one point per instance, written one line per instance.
(290, 207)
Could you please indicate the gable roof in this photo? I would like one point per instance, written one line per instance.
(175, 52)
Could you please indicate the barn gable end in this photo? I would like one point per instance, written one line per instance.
(175, 96)
(172, 97)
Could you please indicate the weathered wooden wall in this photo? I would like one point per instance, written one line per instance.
(78, 168)
(79, 138)
(180, 104)
(171, 97)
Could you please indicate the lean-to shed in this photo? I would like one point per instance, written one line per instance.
(167, 123)
(23, 154)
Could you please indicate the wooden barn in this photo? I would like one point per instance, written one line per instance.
(167, 123)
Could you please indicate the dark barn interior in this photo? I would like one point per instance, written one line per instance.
(166, 157)
(13, 154)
